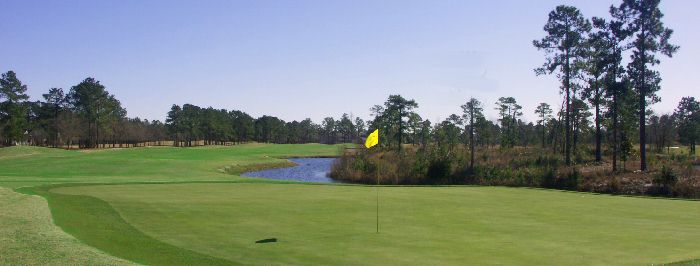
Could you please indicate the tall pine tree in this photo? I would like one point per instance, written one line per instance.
(564, 47)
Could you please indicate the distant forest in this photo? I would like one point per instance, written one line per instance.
(606, 68)
(88, 116)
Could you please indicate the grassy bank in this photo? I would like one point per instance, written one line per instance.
(29, 237)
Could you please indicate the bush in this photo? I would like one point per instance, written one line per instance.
(439, 169)
(664, 181)
(687, 188)
(549, 178)
(572, 179)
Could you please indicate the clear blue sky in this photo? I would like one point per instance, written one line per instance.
(298, 59)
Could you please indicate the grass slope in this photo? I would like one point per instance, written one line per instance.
(326, 224)
(97, 224)
(28, 236)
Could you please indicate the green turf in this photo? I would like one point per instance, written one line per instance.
(33, 166)
(321, 224)
(28, 236)
(29, 166)
(218, 223)
(97, 224)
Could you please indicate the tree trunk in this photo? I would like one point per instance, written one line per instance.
(567, 87)
(543, 131)
(575, 129)
(55, 127)
(616, 144)
(97, 133)
(400, 127)
(598, 136)
(471, 138)
(642, 107)
(642, 132)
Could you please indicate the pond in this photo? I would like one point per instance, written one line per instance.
(307, 170)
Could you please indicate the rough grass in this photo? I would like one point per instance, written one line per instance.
(28, 236)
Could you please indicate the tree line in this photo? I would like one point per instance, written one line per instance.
(88, 116)
(399, 125)
(188, 123)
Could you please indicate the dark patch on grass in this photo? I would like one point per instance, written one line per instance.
(266, 240)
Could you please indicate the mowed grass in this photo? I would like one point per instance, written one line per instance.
(28, 166)
(217, 217)
(28, 235)
(330, 224)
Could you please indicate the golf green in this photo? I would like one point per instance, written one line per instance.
(330, 224)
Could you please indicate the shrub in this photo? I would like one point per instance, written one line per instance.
(549, 178)
(663, 181)
(439, 169)
(572, 179)
(687, 187)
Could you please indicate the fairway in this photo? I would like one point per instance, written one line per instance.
(197, 213)
(23, 166)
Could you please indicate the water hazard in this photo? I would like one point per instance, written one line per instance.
(307, 170)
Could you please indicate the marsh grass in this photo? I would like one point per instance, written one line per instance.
(520, 167)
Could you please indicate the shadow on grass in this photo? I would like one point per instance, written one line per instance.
(96, 223)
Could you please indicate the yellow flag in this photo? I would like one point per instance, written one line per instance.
(372, 139)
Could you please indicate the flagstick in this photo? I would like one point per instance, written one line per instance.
(377, 204)
(373, 139)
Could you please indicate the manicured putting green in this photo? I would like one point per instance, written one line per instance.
(332, 224)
